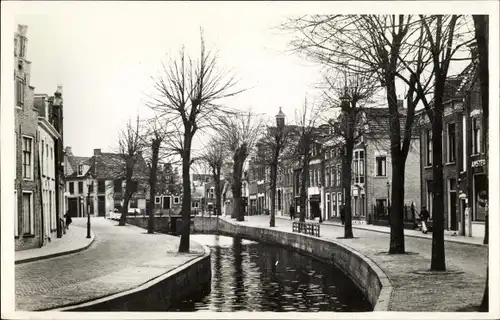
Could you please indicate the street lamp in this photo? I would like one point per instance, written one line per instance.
(388, 197)
(90, 186)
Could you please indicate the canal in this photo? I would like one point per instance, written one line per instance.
(252, 276)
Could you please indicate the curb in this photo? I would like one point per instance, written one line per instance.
(141, 287)
(57, 254)
(406, 235)
(385, 294)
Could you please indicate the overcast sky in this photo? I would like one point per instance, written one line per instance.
(104, 53)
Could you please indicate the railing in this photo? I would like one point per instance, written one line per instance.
(306, 228)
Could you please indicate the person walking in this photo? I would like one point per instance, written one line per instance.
(68, 219)
(424, 217)
(342, 214)
(292, 212)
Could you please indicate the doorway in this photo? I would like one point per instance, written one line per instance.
(73, 207)
(452, 204)
(101, 206)
(166, 202)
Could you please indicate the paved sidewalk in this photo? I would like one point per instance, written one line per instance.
(120, 259)
(73, 241)
(415, 288)
(409, 233)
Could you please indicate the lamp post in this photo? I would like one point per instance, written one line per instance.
(388, 196)
(90, 185)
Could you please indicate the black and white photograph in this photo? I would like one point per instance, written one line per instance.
(230, 160)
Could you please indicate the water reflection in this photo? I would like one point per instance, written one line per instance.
(252, 276)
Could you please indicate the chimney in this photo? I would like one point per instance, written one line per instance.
(68, 151)
(97, 152)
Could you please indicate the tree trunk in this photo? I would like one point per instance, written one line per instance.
(272, 222)
(218, 192)
(481, 26)
(128, 188)
(303, 185)
(438, 262)
(155, 148)
(239, 160)
(485, 306)
(397, 242)
(346, 186)
(186, 194)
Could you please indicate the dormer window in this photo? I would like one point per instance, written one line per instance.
(80, 169)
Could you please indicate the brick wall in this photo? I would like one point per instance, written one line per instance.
(26, 124)
(377, 186)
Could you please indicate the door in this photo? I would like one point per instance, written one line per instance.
(73, 207)
(453, 205)
(101, 206)
(166, 203)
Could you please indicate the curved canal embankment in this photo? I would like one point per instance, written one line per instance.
(367, 276)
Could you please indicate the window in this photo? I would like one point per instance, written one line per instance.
(91, 187)
(71, 187)
(47, 168)
(327, 176)
(157, 199)
(117, 186)
(19, 93)
(80, 169)
(28, 221)
(428, 137)
(80, 186)
(451, 143)
(27, 158)
(381, 166)
(476, 139)
(43, 159)
(16, 215)
(195, 204)
(339, 175)
(133, 203)
(176, 200)
(359, 166)
(101, 186)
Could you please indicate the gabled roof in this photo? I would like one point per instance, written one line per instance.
(111, 166)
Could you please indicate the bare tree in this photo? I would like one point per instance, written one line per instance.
(389, 46)
(154, 136)
(187, 95)
(350, 92)
(239, 134)
(214, 156)
(271, 147)
(130, 145)
(305, 137)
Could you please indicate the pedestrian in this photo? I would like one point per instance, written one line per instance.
(424, 217)
(292, 212)
(68, 219)
(342, 214)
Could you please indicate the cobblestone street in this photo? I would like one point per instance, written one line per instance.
(414, 288)
(121, 258)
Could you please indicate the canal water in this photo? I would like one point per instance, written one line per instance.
(252, 276)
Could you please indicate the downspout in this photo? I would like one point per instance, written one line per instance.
(58, 187)
(39, 187)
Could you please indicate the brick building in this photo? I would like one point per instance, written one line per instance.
(106, 185)
(372, 167)
(462, 153)
(27, 211)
